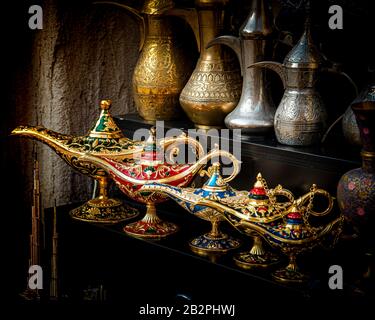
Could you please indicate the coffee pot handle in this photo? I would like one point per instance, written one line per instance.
(135, 13)
(190, 15)
(335, 68)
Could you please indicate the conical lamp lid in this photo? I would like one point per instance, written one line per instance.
(105, 127)
(215, 181)
(304, 54)
(258, 192)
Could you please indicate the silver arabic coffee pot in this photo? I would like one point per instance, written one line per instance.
(255, 111)
(300, 119)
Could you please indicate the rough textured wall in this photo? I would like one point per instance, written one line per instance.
(83, 54)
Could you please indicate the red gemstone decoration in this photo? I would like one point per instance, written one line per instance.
(258, 191)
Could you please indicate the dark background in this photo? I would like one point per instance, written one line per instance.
(352, 47)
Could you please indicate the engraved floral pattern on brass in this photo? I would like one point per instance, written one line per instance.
(164, 64)
(105, 139)
(214, 87)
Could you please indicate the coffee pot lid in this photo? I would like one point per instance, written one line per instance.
(304, 54)
(155, 7)
(367, 95)
(105, 127)
(258, 24)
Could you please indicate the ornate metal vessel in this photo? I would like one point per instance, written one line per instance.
(216, 187)
(255, 111)
(151, 166)
(350, 128)
(214, 87)
(105, 138)
(301, 117)
(285, 226)
(289, 229)
(260, 204)
(164, 64)
(356, 188)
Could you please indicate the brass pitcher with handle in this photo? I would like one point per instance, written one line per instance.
(164, 64)
(214, 87)
(301, 117)
(255, 111)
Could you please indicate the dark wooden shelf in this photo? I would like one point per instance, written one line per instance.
(158, 271)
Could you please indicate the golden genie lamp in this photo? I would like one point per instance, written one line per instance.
(260, 204)
(284, 225)
(105, 138)
(293, 233)
(131, 174)
(216, 187)
(288, 230)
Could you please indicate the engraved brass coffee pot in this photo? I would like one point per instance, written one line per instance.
(300, 118)
(152, 166)
(214, 87)
(164, 64)
(255, 111)
(105, 138)
(216, 187)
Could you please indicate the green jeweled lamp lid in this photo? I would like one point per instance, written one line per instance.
(106, 127)
(105, 137)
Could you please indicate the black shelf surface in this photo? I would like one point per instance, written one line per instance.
(141, 271)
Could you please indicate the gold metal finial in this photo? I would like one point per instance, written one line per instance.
(259, 182)
(152, 137)
(105, 104)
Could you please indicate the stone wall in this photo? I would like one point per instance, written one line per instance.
(83, 54)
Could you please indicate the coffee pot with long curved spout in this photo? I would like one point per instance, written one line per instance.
(214, 87)
(164, 65)
(301, 117)
(131, 174)
(255, 111)
(105, 138)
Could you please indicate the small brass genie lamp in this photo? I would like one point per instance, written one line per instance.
(104, 139)
(131, 174)
(216, 187)
(259, 205)
(289, 230)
